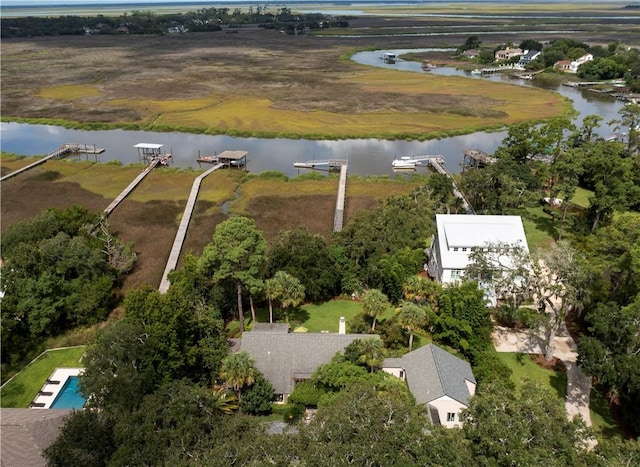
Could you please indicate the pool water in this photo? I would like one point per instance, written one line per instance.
(70, 396)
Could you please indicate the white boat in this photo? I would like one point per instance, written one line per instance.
(476, 72)
(404, 162)
(389, 57)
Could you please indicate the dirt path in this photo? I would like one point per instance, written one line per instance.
(565, 349)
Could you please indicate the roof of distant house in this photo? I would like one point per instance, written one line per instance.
(432, 372)
(26, 433)
(285, 357)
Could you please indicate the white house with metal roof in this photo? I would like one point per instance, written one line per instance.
(438, 379)
(457, 235)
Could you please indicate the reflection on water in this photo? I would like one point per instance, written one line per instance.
(365, 156)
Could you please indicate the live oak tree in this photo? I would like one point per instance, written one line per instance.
(525, 427)
(305, 256)
(237, 253)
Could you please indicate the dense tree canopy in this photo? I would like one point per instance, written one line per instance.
(55, 276)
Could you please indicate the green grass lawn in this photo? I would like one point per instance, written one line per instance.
(581, 197)
(23, 388)
(539, 228)
(523, 367)
(603, 422)
(317, 318)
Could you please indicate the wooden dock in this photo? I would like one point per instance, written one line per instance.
(62, 151)
(130, 188)
(332, 165)
(338, 218)
(438, 165)
(174, 256)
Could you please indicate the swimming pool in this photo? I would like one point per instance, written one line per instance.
(69, 396)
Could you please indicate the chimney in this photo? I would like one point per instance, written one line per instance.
(342, 329)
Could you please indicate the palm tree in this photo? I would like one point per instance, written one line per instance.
(371, 353)
(375, 303)
(292, 293)
(273, 291)
(412, 318)
(238, 371)
(224, 402)
(419, 290)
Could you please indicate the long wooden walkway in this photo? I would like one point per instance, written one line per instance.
(130, 188)
(437, 164)
(338, 218)
(182, 229)
(62, 151)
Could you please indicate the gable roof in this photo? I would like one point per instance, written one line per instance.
(283, 358)
(28, 432)
(472, 231)
(432, 372)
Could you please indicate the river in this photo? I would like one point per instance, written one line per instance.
(365, 156)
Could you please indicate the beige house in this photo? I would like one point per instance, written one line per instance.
(438, 379)
(508, 54)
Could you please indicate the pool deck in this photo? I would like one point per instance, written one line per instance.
(53, 386)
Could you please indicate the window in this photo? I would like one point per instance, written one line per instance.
(464, 249)
(456, 274)
(451, 417)
(455, 249)
(402, 375)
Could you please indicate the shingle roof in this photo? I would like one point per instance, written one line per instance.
(282, 358)
(279, 328)
(26, 433)
(432, 372)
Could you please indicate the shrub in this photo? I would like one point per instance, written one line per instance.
(306, 394)
(293, 414)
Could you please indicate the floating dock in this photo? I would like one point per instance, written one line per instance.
(182, 229)
(149, 152)
(228, 159)
(62, 151)
(332, 165)
(476, 159)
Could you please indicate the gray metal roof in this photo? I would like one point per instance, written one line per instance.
(26, 433)
(432, 372)
(280, 357)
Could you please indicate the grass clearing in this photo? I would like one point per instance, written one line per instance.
(581, 197)
(23, 388)
(539, 228)
(523, 367)
(601, 418)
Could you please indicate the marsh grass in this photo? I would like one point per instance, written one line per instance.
(69, 92)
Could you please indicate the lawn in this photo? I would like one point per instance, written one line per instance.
(581, 197)
(601, 418)
(539, 228)
(23, 388)
(316, 318)
(523, 367)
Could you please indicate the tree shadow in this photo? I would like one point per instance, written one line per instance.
(297, 315)
(544, 221)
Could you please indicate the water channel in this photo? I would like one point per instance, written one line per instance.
(365, 156)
